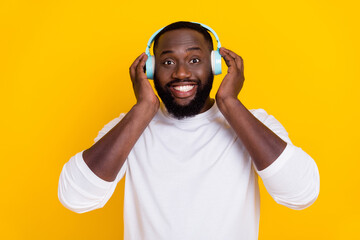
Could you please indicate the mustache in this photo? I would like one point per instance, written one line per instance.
(183, 81)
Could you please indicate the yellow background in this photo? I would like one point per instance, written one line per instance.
(64, 75)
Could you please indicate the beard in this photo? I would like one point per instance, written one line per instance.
(191, 109)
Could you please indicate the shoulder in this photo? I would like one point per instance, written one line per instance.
(264, 117)
(260, 114)
(109, 126)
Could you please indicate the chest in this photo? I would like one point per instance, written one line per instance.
(167, 150)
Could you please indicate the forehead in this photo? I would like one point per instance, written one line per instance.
(181, 39)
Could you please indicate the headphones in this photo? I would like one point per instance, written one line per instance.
(215, 55)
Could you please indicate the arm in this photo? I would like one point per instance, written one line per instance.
(262, 144)
(106, 157)
(289, 174)
(89, 178)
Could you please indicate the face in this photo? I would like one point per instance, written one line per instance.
(183, 76)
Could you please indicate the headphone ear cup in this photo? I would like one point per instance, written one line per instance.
(150, 67)
(216, 62)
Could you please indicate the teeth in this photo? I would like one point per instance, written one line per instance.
(185, 88)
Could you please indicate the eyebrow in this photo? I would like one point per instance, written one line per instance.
(187, 50)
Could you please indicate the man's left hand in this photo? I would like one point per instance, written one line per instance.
(232, 83)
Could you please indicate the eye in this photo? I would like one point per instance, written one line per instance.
(168, 62)
(195, 60)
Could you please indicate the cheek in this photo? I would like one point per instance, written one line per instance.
(163, 76)
(202, 72)
(205, 67)
(161, 73)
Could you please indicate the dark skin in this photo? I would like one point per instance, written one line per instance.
(183, 55)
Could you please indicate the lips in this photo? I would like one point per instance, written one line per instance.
(183, 89)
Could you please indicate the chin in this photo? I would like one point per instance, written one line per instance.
(183, 102)
(184, 108)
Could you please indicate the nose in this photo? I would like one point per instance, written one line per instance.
(181, 72)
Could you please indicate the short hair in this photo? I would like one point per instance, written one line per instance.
(185, 25)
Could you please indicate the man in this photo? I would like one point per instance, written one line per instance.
(191, 163)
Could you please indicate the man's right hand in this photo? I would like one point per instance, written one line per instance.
(142, 88)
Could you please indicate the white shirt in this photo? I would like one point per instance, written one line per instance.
(193, 179)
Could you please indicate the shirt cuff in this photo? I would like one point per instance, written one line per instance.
(278, 163)
(88, 174)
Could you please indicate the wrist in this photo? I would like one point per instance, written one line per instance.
(226, 101)
(227, 104)
(148, 107)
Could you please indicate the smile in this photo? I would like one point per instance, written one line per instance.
(184, 88)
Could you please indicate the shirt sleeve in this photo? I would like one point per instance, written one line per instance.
(81, 190)
(293, 178)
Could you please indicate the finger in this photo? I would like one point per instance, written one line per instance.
(223, 50)
(230, 62)
(141, 65)
(134, 64)
(239, 61)
(226, 54)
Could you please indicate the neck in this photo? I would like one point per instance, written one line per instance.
(208, 104)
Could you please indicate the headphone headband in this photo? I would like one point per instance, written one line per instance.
(147, 51)
(213, 32)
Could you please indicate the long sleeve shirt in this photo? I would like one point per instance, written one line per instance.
(193, 179)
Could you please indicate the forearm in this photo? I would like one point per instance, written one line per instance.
(106, 157)
(263, 145)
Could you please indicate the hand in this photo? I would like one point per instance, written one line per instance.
(141, 85)
(234, 79)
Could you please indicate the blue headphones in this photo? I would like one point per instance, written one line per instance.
(215, 55)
